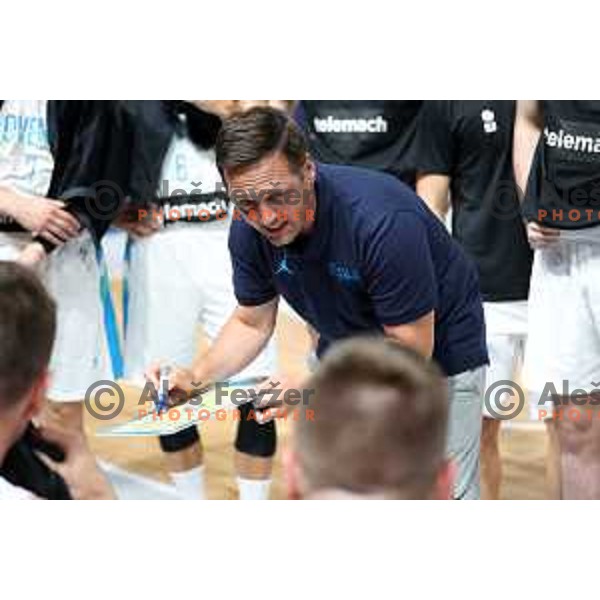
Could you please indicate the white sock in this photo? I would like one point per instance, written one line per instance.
(190, 484)
(254, 489)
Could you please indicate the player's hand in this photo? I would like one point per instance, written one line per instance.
(540, 236)
(46, 218)
(272, 400)
(32, 255)
(136, 226)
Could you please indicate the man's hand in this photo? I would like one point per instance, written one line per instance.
(181, 382)
(32, 255)
(540, 236)
(136, 226)
(46, 218)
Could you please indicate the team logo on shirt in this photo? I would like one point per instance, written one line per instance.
(332, 125)
(489, 121)
(348, 276)
(283, 267)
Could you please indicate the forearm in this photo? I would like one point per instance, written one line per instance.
(526, 136)
(435, 191)
(8, 202)
(240, 341)
(419, 335)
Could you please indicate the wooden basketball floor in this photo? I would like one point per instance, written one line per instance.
(522, 442)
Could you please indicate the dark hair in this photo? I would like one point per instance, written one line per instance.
(245, 139)
(380, 419)
(27, 328)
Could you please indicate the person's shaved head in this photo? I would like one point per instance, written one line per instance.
(379, 428)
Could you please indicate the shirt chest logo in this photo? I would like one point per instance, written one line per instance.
(331, 124)
(283, 267)
(488, 117)
(344, 274)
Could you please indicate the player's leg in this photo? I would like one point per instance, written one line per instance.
(501, 350)
(506, 327)
(564, 348)
(162, 310)
(464, 435)
(578, 425)
(79, 358)
(491, 461)
(553, 468)
(255, 444)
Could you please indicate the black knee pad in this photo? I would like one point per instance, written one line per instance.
(182, 440)
(253, 438)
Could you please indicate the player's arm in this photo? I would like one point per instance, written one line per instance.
(435, 190)
(528, 126)
(44, 217)
(527, 131)
(418, 335)
(434, 155)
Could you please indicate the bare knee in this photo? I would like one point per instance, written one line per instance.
(578, 431)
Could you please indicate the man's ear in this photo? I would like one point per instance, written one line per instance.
(310, 171)
(37, 396)
(445, 481)
(292, 476)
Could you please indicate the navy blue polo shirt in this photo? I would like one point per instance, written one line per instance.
(376, 256)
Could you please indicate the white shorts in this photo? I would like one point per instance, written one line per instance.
(563, 351)
(177, 279)
(72, 276)
(506, 334)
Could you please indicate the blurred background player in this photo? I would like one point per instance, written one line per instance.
(49, 150)
(463, 156)
(360, 254)
(379, 429)
(562, 206)
(179, 270)
(375, 134)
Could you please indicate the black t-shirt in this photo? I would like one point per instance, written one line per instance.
(563, 190)
(471, 142)
(376, 134)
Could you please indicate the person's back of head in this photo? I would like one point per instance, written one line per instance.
(27, 328)
(379, 427)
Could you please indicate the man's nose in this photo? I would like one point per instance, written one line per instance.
(268, 216)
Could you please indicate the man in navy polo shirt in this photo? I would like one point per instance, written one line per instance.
(353, 251)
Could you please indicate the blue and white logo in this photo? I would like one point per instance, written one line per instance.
(349, 276)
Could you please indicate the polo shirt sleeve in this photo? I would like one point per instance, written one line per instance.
(253, 282)
(434, 142)
(399, 269)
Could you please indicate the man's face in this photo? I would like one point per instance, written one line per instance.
(276, 200)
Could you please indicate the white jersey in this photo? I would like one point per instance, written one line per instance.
(190, 186)
(11, 492)
(26, 162)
